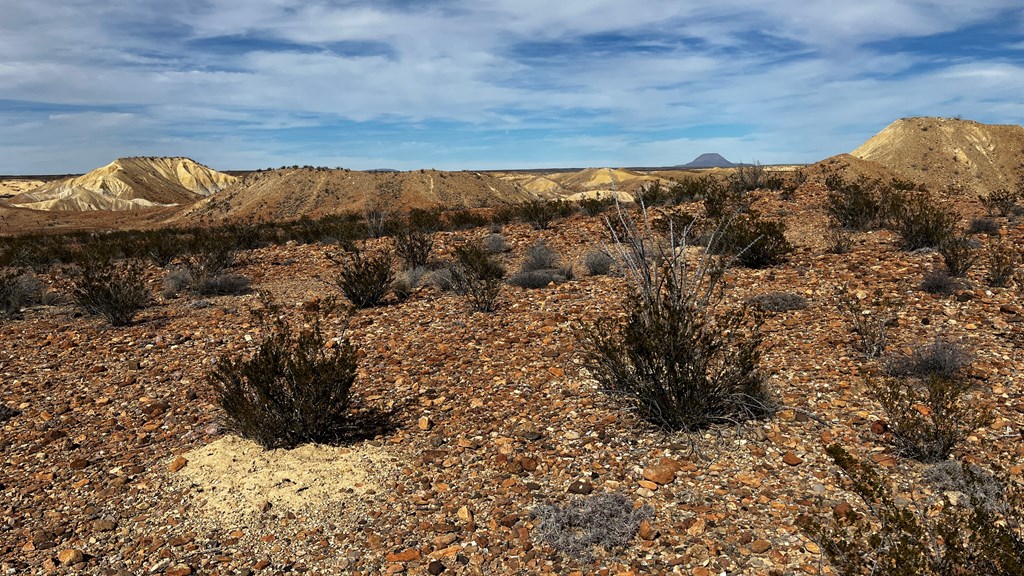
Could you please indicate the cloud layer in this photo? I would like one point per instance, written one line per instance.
(507, 83)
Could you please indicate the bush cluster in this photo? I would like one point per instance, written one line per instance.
(756, 242)
(477, 275)
(115, 290)
(1001, 202)
(923, 223)
(679, 358)
(18, 289)
(295, 388)
(541, 266)
(365, 279)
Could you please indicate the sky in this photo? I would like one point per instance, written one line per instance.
(490, 84)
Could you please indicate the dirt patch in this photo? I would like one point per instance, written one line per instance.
(234, 478)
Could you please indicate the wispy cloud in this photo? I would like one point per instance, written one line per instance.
(463, 84)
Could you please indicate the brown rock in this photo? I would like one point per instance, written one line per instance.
(792, 459)
(660, 474)
(760, 546)
(178, 463)
(70, 556)
(104, 525)
(509, 520)
(79, 464)
(646, 531)
(179, 570)
(581, 487)
(879, 427)
(842, 510)
(404, 556)
(435, 567)
(424, 423)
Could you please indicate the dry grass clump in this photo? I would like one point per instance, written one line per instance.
(607, 521)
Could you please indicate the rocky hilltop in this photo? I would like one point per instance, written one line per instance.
(129, 184)
(950, 154)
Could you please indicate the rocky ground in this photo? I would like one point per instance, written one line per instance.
(496, 417)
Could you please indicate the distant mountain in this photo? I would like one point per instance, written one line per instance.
(709, 160)
(950, 154)
(129, 184)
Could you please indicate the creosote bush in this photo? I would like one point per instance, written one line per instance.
(1002, 259)
(756, 242)
(941, 358)
(18, 289)
(679, 358)
(960, 253)
(983, 535)
(115, 290)
(598, 262)
(413, 246)
(540, 267)
(871, 317)
(923, 223)
(294, 389)
(478, 276)
(365, 279)
(1001, 202)
(607, 521)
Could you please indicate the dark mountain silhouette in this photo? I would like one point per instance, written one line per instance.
(709, 160)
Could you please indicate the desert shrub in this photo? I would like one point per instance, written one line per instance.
(778, 301)
(245, 235)
(541, 214)
(607, 521)
(376, 219)
(365, 279)
(478, 276)
(18, 289)
(540, 256)
(853, 205)
(960, 253)
(749, 177)
(928, 435)
(534, 279)
(675, 223)
(986, 226)
(424, 220)
(407, 281)
(176, 282)
(38, 252)
(941, 358)
(838, 241)
(1001, 202)
(464, 220)
(923, 223)
(115, 290)
(871, 317)
(897, 539)
(652, 194)
(596, 205)
(442, 279)
(413, 246)
(495, 243)
(757, 243)
(980, 487)
(294, 389)
(723, 201)
(598, 262)
(679, 358)
(691, 189)
(938, 281)
(224, 285)
(208, 255)
(162, 247)
(1002, 258)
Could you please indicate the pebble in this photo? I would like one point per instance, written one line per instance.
(70, 556)
(581, 487)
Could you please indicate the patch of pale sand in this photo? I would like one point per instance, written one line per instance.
(234, 478)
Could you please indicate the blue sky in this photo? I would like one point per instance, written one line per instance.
(467, 84)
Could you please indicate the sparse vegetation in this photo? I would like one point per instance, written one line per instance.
(1001, 202)
(478, 276)
(413, 246)
(18, 289)
(756, 242)
(960, 253)
(938, 281)
(294, 389)
(606, 521)
(933, 538)
(871, 317)
(598, 262)
(778, 302)
(115, 290)
(985, 226)
(1002, 259)
(365, 279)
(679, 358)
(839, 241)
(923, 223)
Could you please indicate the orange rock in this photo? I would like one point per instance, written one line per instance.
(660, 473)
(792, 459)
(178, 463)
(405, 556)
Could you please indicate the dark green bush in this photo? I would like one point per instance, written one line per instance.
(596, 205)
(366, 279)
(938, 281)
(477, 275)
(1002, 259)
(607, 520)
(541, 214)
(1001, 202)
(294, 389)
(923, 223)
(928, 435)
(972, 538)
(208, 255)
(757, 243)
(413, 246)
(749, 177)
(694, 189)
(464, 220)
(598, 262)
(853, 205)
(116, 290)
(960, 253)
(985, 226)
(224, 285)
(162, 246)
(652, 194)
(424, 220)
(838, 241)
(678, 358)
